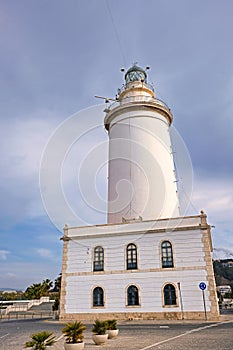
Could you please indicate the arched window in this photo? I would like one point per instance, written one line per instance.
(169, 293)
(132, 296)
(167, 255)
(98, 296)
(131, 254)
(98, 263)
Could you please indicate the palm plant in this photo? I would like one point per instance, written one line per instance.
(38, 290)
(99, 327)
(73, 332)
(111, 324)
(112, 330)
(40, 340)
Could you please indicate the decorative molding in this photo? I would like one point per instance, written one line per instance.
(164, 270)
(162, 230)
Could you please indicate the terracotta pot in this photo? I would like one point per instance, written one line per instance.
(112, 333)
(99, 339)
(74, 346)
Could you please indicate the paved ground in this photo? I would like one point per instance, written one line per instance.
(133, 335)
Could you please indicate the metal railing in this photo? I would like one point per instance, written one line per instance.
(138, 98)
(26, 315)
(138, 83)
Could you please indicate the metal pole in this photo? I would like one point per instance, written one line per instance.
(181, 301)
(181, 306)
(203, 296)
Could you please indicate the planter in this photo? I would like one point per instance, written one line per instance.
(112, 333)
(73, 332)
(99, 339)
(74, 346)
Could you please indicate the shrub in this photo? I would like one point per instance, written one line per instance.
(73, 332)
(99, 327)
(111, 324)
(40, 340)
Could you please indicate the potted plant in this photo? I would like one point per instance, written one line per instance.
(40, 340)
(73, 332)
(99, 329)
(112, 330)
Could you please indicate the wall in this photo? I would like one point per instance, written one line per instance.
(190, 268)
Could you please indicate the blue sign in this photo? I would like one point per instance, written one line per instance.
(202, 285)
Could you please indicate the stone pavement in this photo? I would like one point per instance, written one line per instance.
(133, 335)
(143, 335)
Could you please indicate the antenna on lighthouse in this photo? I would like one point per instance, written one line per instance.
(107, 99)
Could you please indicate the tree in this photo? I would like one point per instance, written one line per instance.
(12, 296)
(223, 273)
(46, 286)
(38, 290)
(228, 295)
(57, 283)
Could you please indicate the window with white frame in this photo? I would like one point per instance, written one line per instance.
(169, 294)
(98, 263)
(98, 296)
(132, 296)
(167, 254)
(131, 257)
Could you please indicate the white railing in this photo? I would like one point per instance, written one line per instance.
(38, 301)
(30, 303)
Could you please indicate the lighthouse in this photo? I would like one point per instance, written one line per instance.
(147, 261)
(142, 181)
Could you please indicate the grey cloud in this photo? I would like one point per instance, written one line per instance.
(57, 55)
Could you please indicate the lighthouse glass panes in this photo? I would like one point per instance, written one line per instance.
(98, 263)
(169, 295)
(135, 75)
(131, 252)
(98, 297)
(167, 255)
(132, 296)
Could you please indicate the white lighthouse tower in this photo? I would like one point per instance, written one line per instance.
(147, 262)
(142, 181)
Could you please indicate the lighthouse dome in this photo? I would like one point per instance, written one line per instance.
(135, 73)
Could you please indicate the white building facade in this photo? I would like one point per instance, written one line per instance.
(148, 261)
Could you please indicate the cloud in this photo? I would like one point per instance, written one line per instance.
(45, 253)
(20, 275)
(4, 254)
(11, 275)
(215, 197)
(22, 142)
(52, 70)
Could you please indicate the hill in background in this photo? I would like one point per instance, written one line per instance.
(223, 271)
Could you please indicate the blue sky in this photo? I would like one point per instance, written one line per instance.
(56, 55)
